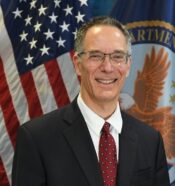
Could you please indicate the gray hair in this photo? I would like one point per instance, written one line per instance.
(100, 20)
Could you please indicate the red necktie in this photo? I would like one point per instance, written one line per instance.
(107, 157)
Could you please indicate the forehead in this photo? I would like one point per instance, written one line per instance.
(102, 29)
(105, 37)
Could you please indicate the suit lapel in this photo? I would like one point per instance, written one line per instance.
(78, 137)
(127, 152)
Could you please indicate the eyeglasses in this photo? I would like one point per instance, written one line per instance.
(97, 57)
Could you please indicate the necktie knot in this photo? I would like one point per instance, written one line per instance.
(106, 127)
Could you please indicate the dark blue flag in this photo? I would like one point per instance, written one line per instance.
(149, 93)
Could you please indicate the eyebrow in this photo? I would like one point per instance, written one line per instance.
(120, 51)
(117, 51)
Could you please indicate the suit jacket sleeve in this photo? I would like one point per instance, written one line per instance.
(27, 166)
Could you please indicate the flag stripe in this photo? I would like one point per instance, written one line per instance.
(9, 113)
(6, 150)
(44, 89)
(3, 176)
(12, 75)
(71, 55)
(56, 82)
(31, 94)
(69, 75)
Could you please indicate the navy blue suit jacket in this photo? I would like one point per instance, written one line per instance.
(56, 150)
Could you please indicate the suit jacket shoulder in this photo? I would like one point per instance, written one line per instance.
(55, 121)
(56, 149)
(143, 130)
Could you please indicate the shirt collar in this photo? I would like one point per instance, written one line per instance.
(95, 122)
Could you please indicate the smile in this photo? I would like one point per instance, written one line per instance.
(106, 81)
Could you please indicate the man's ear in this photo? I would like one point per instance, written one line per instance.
(76, 61)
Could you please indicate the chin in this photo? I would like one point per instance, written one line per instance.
(107, 98)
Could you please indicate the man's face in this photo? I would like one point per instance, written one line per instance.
(102, 82)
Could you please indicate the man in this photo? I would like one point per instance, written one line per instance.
(91, 142)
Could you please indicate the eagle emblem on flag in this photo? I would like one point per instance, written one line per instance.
(148, 88)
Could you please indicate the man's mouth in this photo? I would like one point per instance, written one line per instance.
(106, 81)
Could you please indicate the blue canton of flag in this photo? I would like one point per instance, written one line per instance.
(42, 30)
(36, 70)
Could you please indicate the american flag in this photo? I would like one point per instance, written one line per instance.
(36, 71)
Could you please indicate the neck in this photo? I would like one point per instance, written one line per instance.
(104, 109)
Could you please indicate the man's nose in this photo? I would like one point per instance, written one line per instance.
(106, 64)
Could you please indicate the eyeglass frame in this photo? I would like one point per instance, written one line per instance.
(100, 61)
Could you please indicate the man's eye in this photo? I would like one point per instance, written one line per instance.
(117, 56)
(98, 56)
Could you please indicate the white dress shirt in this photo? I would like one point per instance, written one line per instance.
(95, 123)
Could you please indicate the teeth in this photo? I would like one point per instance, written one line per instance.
(105, 81)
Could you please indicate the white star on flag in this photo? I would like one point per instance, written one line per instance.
(49, 34)
(53, 18)
(23, 36)
(64, 26)
(17, 13)
(68, 10)
(79, 17)
(37, 26)
(44, 50)
(42, 10)
(75, 33)
(57, 3)
(83, 2)
(61, 42)
(33, 43)
(28, 20)
(33, 4)
(29, 59)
